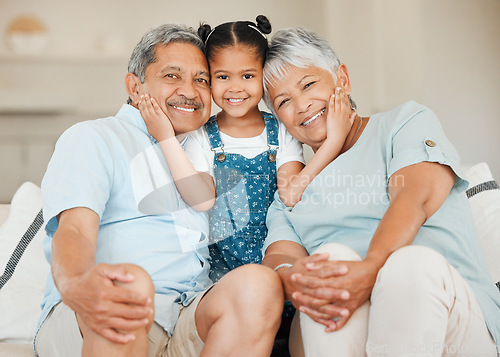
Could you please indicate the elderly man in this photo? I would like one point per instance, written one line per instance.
(128, 255)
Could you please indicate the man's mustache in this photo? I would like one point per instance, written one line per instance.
(189, 102)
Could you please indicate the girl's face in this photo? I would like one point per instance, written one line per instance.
(236, 76)
(301, 100)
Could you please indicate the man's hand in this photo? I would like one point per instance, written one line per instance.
(105, 307)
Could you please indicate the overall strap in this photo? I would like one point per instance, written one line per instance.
(214, 134)
(272, 136)
(271, 129)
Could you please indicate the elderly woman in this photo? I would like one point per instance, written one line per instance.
(380, 255)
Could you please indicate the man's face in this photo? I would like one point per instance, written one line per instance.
(179, 80)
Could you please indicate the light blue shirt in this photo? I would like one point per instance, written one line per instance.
(347, 200)
(115, 168)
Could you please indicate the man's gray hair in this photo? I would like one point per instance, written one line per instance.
(298, 47)
(144, 52)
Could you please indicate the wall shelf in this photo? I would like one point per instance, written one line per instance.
(58, 59)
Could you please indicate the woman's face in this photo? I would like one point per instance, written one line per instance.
(301, 100)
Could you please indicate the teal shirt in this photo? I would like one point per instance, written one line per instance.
(347, 200)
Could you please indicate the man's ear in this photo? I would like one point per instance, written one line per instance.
(343, 80)
(132, 85)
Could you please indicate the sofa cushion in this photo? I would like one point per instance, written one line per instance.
(484, 199)
(16, 350)
(22, 265)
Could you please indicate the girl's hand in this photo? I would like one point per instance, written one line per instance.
(340, 116)
(158, 124)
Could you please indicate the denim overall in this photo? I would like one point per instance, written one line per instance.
(245, 189)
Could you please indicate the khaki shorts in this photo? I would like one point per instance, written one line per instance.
(60, 335)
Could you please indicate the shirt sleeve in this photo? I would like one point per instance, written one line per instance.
(198, 150)
(278, 225)
(290, 149)
(418, 137)
(79, 174)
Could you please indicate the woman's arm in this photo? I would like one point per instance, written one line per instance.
(196, 188)
(293, 177)
(284, 252)
(416, 193)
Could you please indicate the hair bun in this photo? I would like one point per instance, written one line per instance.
(203, 31)
(263, 24)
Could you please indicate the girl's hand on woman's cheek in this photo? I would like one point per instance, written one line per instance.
(340, 115)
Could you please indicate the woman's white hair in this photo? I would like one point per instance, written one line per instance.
(298, 47)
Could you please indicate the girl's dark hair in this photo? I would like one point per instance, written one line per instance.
(236, 33)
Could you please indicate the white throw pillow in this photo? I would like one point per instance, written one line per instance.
(484, 199)
(22, 265)
(4, 212)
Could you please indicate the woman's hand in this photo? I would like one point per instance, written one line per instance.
(158, 124)
(330, 291)
(309, 290)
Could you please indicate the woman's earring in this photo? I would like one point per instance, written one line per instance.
(353, 104)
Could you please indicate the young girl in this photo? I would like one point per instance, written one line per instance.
(250, 153)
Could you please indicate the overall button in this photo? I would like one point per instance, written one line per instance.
(430, 143)
(221, 157)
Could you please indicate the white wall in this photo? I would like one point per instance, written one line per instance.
(80, 76)
(443, 53)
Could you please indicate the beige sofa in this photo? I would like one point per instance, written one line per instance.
(25, 269)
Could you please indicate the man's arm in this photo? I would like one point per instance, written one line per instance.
(88, 288)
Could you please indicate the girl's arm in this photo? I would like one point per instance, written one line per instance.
(293, 177)
(196, 188)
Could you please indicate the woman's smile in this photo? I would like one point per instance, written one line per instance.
(313, 118)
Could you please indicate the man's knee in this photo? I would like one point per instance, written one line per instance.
(142, 282)
(252, 294)
(259, 278)
(338, 251)
(256, 286)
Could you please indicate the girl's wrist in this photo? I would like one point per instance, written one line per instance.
(164, 137)
(330, 145)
